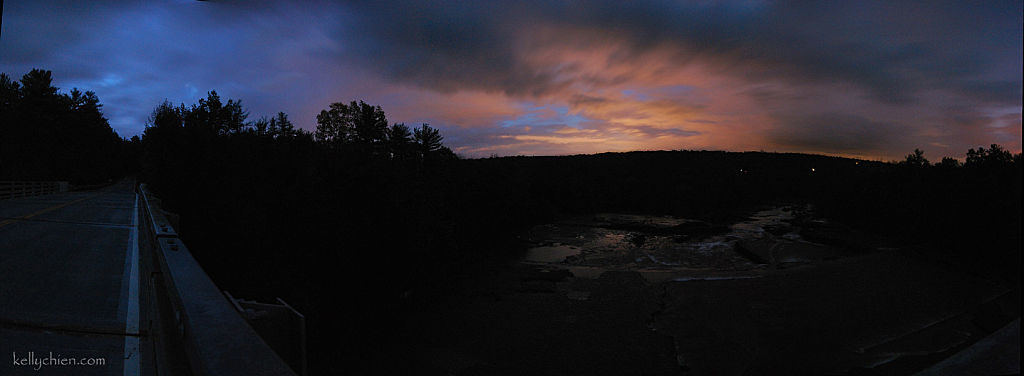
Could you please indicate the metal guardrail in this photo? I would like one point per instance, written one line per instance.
(14, 189)
(215, 337)
(280, 325)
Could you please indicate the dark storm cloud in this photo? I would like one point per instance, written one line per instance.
(625, 75)
(837, 132)
(662, 132)
(136, 54)
(891, 50)
(441, 46)
(1007, 92)
(50, 27)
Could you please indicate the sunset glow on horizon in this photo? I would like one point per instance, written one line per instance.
(856, 79)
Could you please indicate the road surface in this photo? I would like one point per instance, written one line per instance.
(69, 284)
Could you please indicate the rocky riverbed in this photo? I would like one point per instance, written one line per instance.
(780, 292)
(662, 247)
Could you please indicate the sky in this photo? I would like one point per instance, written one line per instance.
(863, 79)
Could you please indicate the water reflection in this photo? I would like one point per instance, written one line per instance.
(654, 245)
(552, 253)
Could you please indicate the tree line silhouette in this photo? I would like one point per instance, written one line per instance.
(49, 135)
(362, 212)
(993, 157)
(363, 129)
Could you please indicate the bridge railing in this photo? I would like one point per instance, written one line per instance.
(14, 189)
(215, 338)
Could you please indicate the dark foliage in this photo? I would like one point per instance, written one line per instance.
(970, 214)
(993, 157)
(361, 131)
(344, 223)
(47, 135)
(916, 159)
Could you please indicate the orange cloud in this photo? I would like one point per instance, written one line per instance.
(605, 94)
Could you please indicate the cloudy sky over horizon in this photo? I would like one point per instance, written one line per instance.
(855, 78)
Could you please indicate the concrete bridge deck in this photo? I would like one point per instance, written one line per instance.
(70, 286)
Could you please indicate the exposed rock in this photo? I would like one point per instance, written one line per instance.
(538, 286)
(556, 275)
(699, 230)
(757, 250)
(781, 253)
(802, 252)
(778, 230)
(636, 238)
